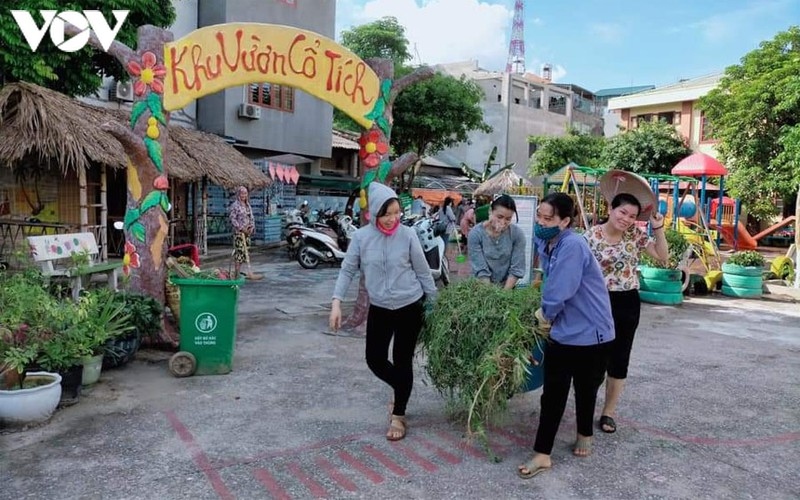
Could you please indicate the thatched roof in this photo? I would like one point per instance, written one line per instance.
(501, 183)
(45, 126)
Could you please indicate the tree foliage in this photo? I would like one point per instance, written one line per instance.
(430, 115)
(552, 153)
(652, 147)
(76, 73)
(384, 38)
(486, 173)
(436, 114)
(755, 115)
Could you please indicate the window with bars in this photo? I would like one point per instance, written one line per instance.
(270, 95)
(706, 132)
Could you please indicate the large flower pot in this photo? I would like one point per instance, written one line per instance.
(92, 366)
(741, 281)
(660, 286)
(120, 351)
(33, 404)
(71, 379)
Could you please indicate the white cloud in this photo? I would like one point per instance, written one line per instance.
(724, 26)
(559, 72)
(441, 31)
(607, 32)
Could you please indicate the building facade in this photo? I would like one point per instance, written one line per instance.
(288, 120)
(675, 104)
(611, 119)
(517, 107)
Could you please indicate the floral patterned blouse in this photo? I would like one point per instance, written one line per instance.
(618, 260)
(241, 216)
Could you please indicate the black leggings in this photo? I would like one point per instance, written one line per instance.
(404, 325)
(626, 309)
(583, 367)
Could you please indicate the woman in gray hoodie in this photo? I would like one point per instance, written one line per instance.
(398, 280)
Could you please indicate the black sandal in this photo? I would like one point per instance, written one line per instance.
(606, 421)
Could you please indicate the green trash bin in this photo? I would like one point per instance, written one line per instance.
(208, 326)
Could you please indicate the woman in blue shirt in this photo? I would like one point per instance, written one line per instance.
(577, 313)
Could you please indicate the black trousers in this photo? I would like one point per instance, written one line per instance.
(581, 366)
(626, 309)
(404, 325)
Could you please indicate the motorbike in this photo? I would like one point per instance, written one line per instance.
(320, 246)
(291, 232)
(432, 234)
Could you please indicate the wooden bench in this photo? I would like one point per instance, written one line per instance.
(62, 255)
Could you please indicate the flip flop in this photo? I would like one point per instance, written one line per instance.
(532, 469)
(584, 445)
(397, 428)
(607, 421)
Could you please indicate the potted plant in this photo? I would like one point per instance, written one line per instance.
(25, 397)
(98, 318)
(742, 274)
(663, 282)
(145, 320)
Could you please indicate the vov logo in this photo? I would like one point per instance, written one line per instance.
(55, 21)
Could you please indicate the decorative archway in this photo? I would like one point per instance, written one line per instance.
(168, 74)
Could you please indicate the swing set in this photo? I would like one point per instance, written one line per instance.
(676, 201)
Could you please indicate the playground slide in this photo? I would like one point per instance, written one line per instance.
(743, 238)
(774, 227)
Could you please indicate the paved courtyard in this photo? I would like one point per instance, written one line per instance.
(711, 411)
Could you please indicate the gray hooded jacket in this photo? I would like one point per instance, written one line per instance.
(396, 273)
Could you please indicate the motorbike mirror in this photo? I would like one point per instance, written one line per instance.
(119, 225)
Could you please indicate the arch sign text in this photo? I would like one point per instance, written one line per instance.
(216, 57)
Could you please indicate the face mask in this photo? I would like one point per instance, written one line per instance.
(546, 233)
(388, 232)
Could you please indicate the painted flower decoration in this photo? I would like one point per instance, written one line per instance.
(372, 148)
(130, 259)
(149, 74)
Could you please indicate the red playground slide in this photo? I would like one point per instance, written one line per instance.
(743, 238)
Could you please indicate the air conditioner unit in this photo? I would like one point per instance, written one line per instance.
(121, 92)
(250, 111)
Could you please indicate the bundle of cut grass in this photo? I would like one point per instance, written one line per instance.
(478, 341)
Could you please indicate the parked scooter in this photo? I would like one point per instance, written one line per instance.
(318, 246)
(291, 232)
(432, 236)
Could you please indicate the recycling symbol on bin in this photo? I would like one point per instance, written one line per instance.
(205, 322)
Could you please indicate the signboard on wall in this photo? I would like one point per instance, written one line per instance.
(526, 209)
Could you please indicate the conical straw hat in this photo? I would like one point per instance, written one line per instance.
(615, 182)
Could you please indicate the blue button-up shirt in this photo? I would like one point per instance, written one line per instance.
(574, 297)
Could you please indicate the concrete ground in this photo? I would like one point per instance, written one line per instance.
(711, 411)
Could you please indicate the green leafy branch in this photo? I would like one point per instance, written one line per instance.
(381, 103)
(132, 215)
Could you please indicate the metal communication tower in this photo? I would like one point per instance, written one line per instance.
(516, 48)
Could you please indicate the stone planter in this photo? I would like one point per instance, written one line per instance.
(31, 405)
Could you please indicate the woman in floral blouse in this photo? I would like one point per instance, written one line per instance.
(241, 216)
(617, 245)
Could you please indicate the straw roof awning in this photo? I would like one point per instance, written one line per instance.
(501, 183)
(45, 126)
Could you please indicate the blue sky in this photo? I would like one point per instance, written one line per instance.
(592, 43)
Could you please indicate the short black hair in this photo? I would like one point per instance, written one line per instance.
(563, 205)
(626, 199)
